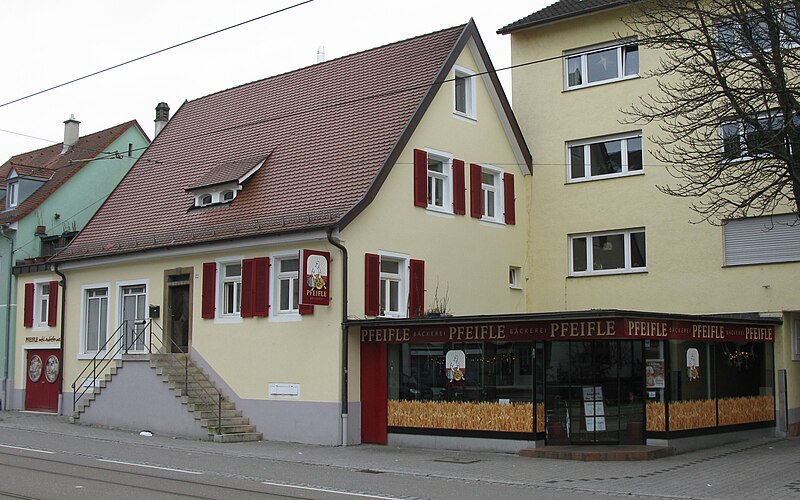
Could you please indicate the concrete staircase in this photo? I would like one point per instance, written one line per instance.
(201, 397)
(93, 391)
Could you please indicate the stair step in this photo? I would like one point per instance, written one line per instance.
(231, 429)
(200, 406)
(226, 422)
(203, 414)
(239, 437)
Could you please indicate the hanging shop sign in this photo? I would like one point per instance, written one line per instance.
(315, 285)
(585, 329)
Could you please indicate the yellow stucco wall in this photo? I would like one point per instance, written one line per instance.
(685, 272)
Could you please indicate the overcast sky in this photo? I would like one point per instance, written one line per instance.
(48, 42)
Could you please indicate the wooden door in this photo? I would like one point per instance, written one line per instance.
(43, 379)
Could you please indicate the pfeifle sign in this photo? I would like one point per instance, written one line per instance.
(585, 329)
(315, 277)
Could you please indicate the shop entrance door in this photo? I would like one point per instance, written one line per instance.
(43, 379)
(593, 392)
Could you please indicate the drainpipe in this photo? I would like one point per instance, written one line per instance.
(7, 361)
(341, 247)
(63, 283)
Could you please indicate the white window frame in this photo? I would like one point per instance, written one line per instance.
(13, 194)
(515, 277)
(275, 288)
(85, 289)
(498, 188)
(221, 281)
(217, 195)
(446, 176)
(628, 268)
(41, 303)
(583, 55)
(587, 156)
(402, 277)
(469, 77)
(736, 31)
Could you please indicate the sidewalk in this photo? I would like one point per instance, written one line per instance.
(756, 468)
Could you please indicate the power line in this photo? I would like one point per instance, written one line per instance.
(155, 53)
(26, 135)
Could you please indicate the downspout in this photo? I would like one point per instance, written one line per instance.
(344, 332)
(8, 318)
(63, 337)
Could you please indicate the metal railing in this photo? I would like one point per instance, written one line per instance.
(106, 354)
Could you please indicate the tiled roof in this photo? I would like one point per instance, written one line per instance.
(330, 133)
(562, 9)
(48, 163)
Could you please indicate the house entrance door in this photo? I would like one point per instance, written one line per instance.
(178, 310)
(594, 392)
(43, 379)
(134, 317)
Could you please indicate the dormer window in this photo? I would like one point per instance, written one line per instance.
(13, 194)
(222, 183)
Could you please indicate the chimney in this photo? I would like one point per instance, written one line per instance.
(162, 117)
(70, 134)
(321, 54)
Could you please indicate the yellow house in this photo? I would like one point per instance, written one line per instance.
(603, 236)
(212, 293)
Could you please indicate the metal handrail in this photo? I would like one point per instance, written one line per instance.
(120, 344)
(108, 354)
(214, 394)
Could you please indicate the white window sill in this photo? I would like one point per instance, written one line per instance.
(604, 177)
(286, 317)
(515, 287)
(609, 272)
(465, 117)
(602, 82)
(228, 320)
(434, 210)
(88, 356)
(485, 221)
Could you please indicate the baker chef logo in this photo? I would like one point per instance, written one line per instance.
(317, 278)
(692, 364)
(455, 365)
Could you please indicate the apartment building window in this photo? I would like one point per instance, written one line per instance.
(13, 194)
(440, 183)
(610, 252)
(394, 285)
(602, 64)
(611, 156)
(760, 135)
(42, 304)
(796, 340)
(761, 240)
(741, 37)
(464, 93)
(95, 323)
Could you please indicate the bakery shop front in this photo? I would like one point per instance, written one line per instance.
(600, 377)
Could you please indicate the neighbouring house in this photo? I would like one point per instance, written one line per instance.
(230, 262)
(603, 236)
(47, 196)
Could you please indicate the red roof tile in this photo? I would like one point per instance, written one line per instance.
(48, 163)
(330, 132)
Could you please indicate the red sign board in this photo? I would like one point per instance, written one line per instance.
(315, 277)
(570, 329)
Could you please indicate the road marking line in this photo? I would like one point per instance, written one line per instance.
(326, 490)
(149, 466)
(27, 449)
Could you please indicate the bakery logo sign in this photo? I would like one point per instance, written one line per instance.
(315, 282)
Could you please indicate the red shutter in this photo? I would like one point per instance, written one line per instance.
(28, 321)
(459, 188)
(508, 195)
(372, 285)
(475, 191)
(52, 304)
(209, 289)
(248, 288)
(261, 286)
(416, 297)
(306, 309)
(420, 178)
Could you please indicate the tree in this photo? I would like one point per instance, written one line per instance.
(728, 102)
